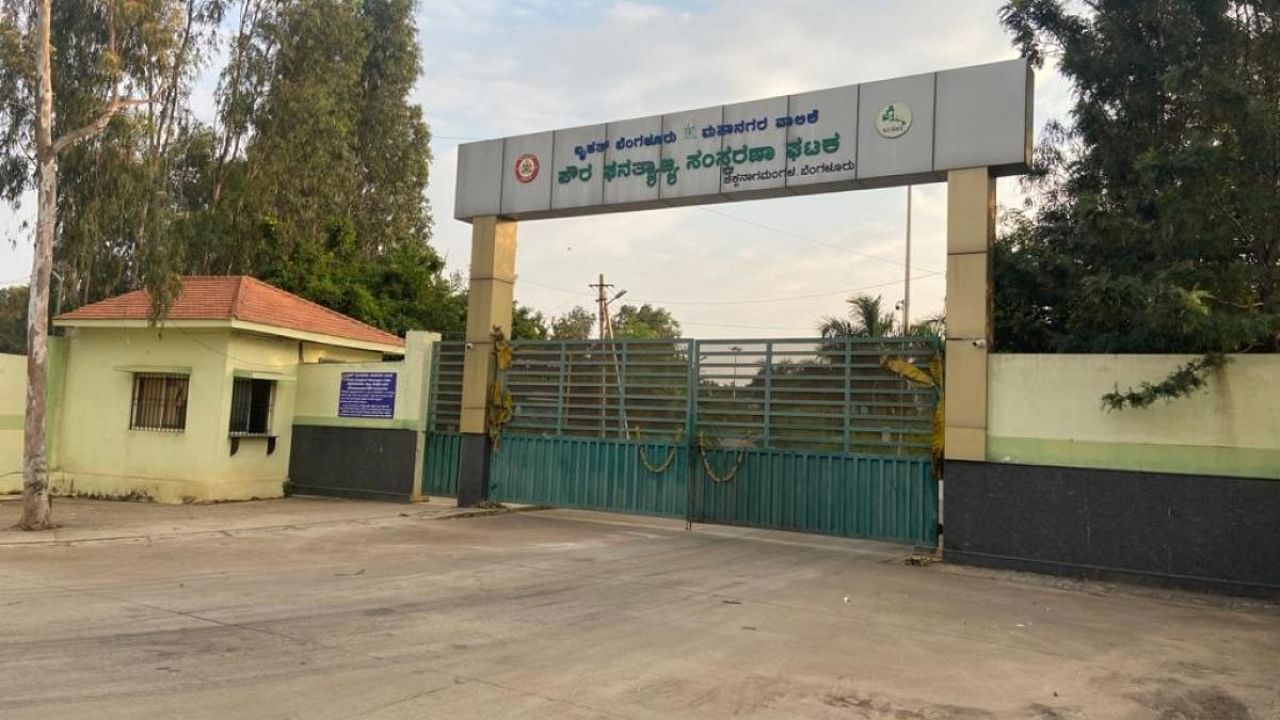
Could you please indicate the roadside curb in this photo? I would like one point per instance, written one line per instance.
(232, 532)
(487, 512)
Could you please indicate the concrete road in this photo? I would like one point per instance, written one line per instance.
(574, 615)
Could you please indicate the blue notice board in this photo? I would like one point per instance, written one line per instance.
(367, 395)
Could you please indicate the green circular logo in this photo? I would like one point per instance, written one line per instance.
(894, 120)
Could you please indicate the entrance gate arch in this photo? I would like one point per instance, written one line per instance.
(965, 126)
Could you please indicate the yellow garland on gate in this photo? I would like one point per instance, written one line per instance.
(711, 473)
(932, 379)
(500, 404)
(666, 463)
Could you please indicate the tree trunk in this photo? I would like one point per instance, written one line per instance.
(36, 512)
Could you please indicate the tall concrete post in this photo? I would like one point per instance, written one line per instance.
(971, 229)
(489, 304)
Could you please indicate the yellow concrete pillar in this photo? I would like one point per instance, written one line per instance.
(489, 302)
(971, 228)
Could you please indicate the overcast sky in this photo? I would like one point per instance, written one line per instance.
(764, 268)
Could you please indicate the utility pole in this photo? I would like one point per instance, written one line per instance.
(602, 305)
(606, 333)
(603, 301)
(906, 293)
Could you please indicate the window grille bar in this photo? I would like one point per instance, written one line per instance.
(159, 402)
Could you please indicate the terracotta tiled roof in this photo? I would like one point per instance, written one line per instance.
(237, 297)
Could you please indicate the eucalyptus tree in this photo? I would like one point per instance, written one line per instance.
(115, 59)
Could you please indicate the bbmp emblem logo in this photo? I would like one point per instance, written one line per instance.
(893, 121)
(690, 131)
(527, 168)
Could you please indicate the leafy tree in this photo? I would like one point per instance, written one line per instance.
(867, 318)
(118, 191)
(333, 134)
(645, 321)
(302, 169)
(116, 47)
(1156, 221)
(399, 291)
(242, 84)
(576, 324)
(393, 142)
(334, 166)
(528, 324)
(314, 131)
(13, 320)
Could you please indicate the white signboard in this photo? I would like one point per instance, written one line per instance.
(890, 132)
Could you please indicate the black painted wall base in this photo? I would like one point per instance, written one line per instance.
(1198, 532)
(365, 463)
(473, 469)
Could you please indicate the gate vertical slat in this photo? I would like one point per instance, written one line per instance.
(848, 399)
(768, 391)
(560, 390)
(692, 442)
(433, 377)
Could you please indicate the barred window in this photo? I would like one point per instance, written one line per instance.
(251, 402)
(159, 402)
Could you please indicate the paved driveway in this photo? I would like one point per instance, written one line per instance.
(574, 615)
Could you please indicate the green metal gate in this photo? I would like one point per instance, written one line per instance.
(810, 435)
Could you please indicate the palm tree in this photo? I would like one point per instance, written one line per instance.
(934, 326)
(835, 327)
(867, 318)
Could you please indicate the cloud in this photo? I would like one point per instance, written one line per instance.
(627, 12)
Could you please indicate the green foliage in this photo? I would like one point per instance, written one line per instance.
(393, 147)
(645, 321)
(528, 324)
(114, 206)
(576, 324)
(334, 139)
(328, 197)
(87, 69)
(302, 167)
(112, 217)
(398, 291)
(13, 320)
(934, 326)
(1156, 221)
(314, 176)
(17, 102)
(867, 318)
(1184, 381)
